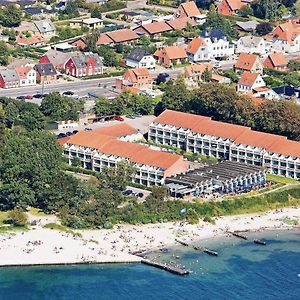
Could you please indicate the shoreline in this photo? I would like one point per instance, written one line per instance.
(45, 247)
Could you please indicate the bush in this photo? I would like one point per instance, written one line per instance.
(18, 217)
(209, 219)
(192, 216)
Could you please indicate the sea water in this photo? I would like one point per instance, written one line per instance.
(243, 270)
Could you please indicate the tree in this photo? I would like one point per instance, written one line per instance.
(18, 217)
(263, 28)
(266, 9)
(206, 75)
(2, 128)
(175, 97)
(60, 108)
(103, 107)
(11, 114)
(110, 58)
(71, 10)
(294, 65)
(192, 216)
(31, 117)
(11, 33)
(4, 53)
(246, 11)
(95, 12)
(10, 16)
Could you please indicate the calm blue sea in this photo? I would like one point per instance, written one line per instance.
(243, 270)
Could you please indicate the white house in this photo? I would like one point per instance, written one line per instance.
(250, 81)
(140, 58)
(210, 45)
(252, 44)
(266, 93)
(27, 75)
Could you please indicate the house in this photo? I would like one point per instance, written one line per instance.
(117, 36)
(249, 82)
(139, 78)
(91, 23)
(285, 37)
(287, 92)
(180, 24)
(248, 26)
(217, 45)
(266, 93)
(172, 55)
(202, 135)
(151, 29)
(187, 10)
(140, 58)
(45, 28)
(106, 148)
(80, 43)
(248, 62)
(27, 75)
(57, 58)
(251, 44)
(82, 65)
(230, 7)
(33, 41)
(40, 12)
(9, 79)
(276, 61)
(45, 73)
(220, 79)
(193, 73)
(197, 50)
(27, 27)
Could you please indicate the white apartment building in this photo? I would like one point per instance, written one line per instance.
(204, 136)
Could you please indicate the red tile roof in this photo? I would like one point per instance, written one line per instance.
(195, 44)
(121, 36)
(23, 71)
(286, 147)
(277, 59)
(133, 74)
(21, 40)
(190, 8)
(181, 23)
(64, 140)
(156, 27)
(194, 70)
(248, 78)
(118, 130)
(235, 4)
(175, 52)
(246, 61)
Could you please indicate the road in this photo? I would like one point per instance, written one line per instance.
(79, 87)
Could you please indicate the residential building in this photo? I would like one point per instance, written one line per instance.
(172, 55)
(40, 12)
(287, 92)
(251, 44)
(117, 36)
(33, 41)
(152, 29)
(276, 61)
(199, 134)
(98, 150)
(197, 50)
(248, 62)
(27, 75)
(266, 93)
(57, 58)
(187, 10)
(217, 45)
(80, 43)
(230, 7)
(181, 23)
(248, 26)
(140, 58)
(82, 65)
(249, 82)
(9, 79)
(220, 79)
(139, 78)
(45, 73)
(193, 73)
(91, 23)
(45, 28)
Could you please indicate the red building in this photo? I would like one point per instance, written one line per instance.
(84, 65)
(229, 7)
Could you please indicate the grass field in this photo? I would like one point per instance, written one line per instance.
(281, 179)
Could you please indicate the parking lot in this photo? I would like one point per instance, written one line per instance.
(135, 191)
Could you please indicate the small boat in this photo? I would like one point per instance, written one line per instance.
(177, 256)
(259, 242)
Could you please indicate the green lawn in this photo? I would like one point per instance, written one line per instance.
(37, 212)
(281, 179)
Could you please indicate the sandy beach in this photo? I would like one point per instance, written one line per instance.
(45, 246)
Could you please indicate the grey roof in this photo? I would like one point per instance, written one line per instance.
(137, 54)
(247, 26)
(213, 34)
(57, 57)
(251, 41)
(46, 69)
(81, 60)
(9, 75)
(44, 26)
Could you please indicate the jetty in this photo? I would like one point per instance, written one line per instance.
(238, 234)
(182, 243)
(259, 242)
(166, 267)
(205, 250)
(211, 252)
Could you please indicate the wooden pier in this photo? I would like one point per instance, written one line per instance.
(239, 235)
(259, 242)
(205, 250)
(168, 268)
(182, 243)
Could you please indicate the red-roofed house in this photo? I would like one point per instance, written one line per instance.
(197, 50)
(187, 9)
(249, 62)
(249, 82)
(29, 41)
(276, 61)
(151, 29)
(27, 75)
(139, 78)
(180, 24)
(171, 55)
(230, 7)
(193, 73)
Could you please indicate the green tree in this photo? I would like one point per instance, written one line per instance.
(263, 28)
(95, 12)
(110, 58)
(294, 65)
(18, 217)
(246, 11)
(11, 33)
(10, 16)
(31, 117)
(266, 9)
(71, 10)
(192, 216)
(103, 107)
(2, 128)
(4, 53)
(60, 108)
(11, 114)
(206, 75)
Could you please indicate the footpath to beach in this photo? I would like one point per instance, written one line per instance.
(41, 246)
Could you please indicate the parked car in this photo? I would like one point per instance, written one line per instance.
(20, 97)
(127, 192)
(68, 93)
(130, 117)
(161, 78)
(61, 135)
(119, 118)
(75, 131)
(28, 97)
(87, 129)
(38, 96)
(91, 94)
(140, 195)
(69, 133)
